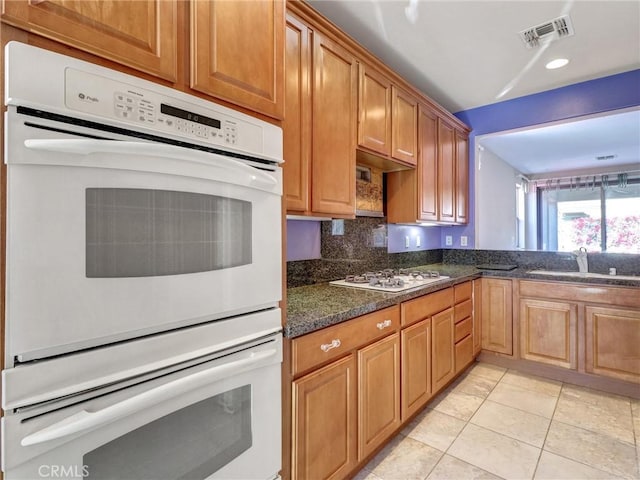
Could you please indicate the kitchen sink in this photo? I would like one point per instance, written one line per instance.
(583, 275)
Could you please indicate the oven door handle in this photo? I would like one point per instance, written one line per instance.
(84, 420)
(87, 147)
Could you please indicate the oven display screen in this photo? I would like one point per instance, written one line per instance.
(192, 117)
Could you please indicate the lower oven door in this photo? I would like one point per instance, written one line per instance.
(218, 419)
(109, 240)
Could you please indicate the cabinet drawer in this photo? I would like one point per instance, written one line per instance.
(462, 292)
(462, 310)
(464, 353)
(319, 347)
(426, 306)
(462, 329)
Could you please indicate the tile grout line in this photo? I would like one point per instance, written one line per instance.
(467, 422)
(586, 430)
(555, 407)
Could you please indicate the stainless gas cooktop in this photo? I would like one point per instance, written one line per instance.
(390, 280)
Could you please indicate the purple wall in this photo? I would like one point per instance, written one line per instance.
(595, 96)
(429, 238)
(303, 240)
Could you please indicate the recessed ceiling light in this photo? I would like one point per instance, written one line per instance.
(557, 63)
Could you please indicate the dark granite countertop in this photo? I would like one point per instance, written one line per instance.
(313, 307)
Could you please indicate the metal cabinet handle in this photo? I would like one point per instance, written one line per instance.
(335, 343)
(383, 325)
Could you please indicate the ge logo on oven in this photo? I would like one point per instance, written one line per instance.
(87, 98)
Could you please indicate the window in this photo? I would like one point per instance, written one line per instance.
(599, 215)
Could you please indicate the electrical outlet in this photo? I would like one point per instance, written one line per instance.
(407, 243)
(448, 240)
(418, 241)
(464, 241)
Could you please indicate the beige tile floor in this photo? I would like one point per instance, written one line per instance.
(494, 423)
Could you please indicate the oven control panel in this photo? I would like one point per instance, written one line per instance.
(113, 100)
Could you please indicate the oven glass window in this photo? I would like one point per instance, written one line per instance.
(191, 443)
(143, 233)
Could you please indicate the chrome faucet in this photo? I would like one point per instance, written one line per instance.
(581, 258)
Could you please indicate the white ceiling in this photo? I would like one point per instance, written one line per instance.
(466, 54)
(572, 146)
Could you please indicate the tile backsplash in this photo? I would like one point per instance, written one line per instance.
(363, 244)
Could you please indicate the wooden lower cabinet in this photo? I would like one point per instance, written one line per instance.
(477, 316)
(463, 353)
(548, 332)
(416, 367)
(378, 393)
(497, 315)
(443, 363)
(613, 342)
(356, 383)
(325, 422)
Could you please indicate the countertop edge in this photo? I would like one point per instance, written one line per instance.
(303, 323)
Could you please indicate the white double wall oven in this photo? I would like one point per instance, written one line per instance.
(143, 275)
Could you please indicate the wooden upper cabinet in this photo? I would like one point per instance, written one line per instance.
(447, 171)
(237, 52)
(427, 165)
(297, 116)
(334, 94)
(404, 125)
(374, 111)
(462, 177)
(141, 34)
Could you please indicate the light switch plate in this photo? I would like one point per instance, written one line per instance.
(448, 240)
(418, 241)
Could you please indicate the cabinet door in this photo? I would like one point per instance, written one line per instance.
(237, 52)
(464, 353)
(416, 367)
(613, 342)
(374, 109)
(404, 125)
(477, 316)
(497, 315)
(324, 422)
(428, 165)
(334, 129)
(446, 171)
(548, 332)
(462, 177)
(378, 393)
(442, 347)
(296, 126)
(141, 34)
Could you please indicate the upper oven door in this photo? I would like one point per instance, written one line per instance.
(109, 240)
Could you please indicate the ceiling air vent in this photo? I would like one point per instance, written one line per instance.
(550, 31)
